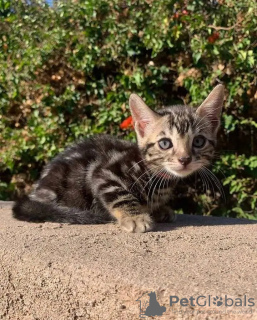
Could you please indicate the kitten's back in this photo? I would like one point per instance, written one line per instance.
(64, 192)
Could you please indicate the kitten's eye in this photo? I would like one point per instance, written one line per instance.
(199, 141)
(165, 144)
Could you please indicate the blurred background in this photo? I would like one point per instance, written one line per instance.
(67, 69)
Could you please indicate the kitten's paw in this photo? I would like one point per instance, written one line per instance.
(165, 214)
(138, 223)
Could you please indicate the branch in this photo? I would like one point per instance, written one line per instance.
(222, 28)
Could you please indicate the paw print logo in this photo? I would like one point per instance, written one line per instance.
(217, 301)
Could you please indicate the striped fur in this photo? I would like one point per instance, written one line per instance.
(105, 179)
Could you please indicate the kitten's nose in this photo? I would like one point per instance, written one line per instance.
(185, 160)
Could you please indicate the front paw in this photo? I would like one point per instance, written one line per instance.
(137, 223)
(165, 214)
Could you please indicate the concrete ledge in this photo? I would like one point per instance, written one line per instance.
(54, 271)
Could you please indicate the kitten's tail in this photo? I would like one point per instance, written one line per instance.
(26, 209)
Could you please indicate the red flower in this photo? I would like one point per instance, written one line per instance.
(177, 14)
(215, 36)
(127, 123)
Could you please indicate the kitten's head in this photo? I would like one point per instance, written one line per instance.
(177, 140)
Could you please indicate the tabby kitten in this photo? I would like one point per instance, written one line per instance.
(104, 179)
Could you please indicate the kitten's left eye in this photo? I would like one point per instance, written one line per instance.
(199, 141)
(165, 143)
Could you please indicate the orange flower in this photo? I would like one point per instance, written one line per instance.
(127, 123)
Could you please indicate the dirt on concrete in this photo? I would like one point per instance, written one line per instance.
(57, 271)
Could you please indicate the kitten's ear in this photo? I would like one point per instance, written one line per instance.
(212, 106)
(142, 115)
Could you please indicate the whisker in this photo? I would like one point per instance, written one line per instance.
(147, 172)
(136, 164)
(203, 180)
(152, 194)
(151, 177)
(217, 182)
(221, 171)
(208, 183)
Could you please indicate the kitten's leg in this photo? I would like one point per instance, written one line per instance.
(121, 204)
(131, 216)
(164, 214)
(135, 221)
(114, 194)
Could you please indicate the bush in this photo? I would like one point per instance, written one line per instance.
(67, 71)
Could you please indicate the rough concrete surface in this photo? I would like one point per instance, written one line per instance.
(54, 271)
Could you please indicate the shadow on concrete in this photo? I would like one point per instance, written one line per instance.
(183, 220)
(186, 220)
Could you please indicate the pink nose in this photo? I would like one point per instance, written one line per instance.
(185, 160)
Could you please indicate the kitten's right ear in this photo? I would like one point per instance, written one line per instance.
(142, 115)
(211, 107)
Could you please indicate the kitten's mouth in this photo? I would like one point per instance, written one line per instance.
(165, 175)
(184, 172)
(171, 173)
(181, 172)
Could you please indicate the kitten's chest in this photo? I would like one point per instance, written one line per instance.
(154, 192)
(158, 196)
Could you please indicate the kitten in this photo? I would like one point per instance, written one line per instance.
(103, 179)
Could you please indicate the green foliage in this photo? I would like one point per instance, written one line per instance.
(67, 71)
